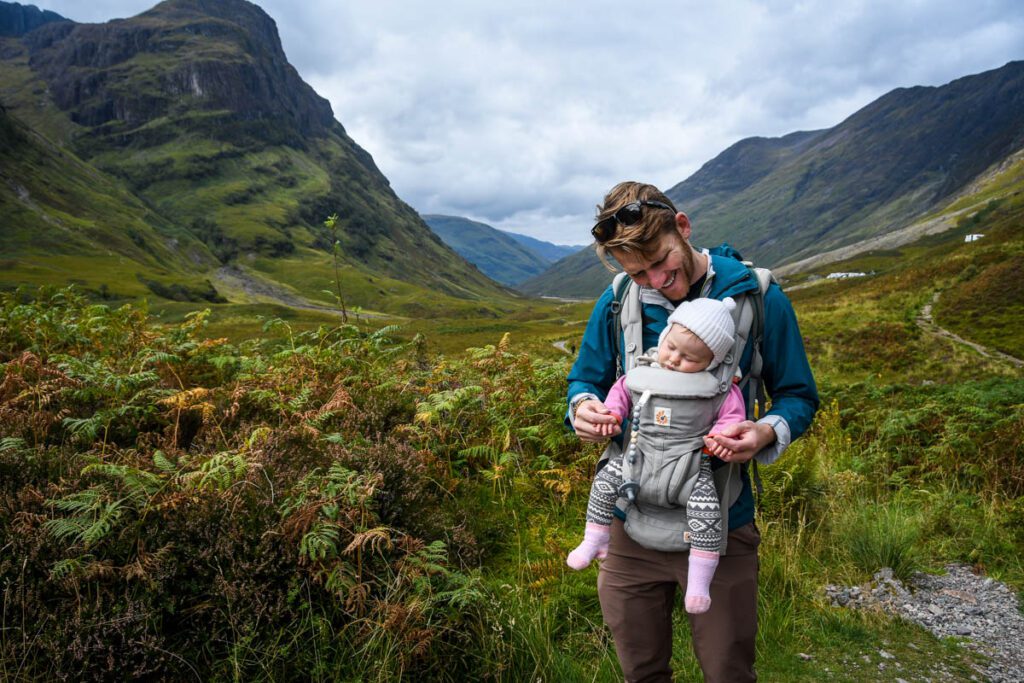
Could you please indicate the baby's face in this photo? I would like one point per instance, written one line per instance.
(683, 351)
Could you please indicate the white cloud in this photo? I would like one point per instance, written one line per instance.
(522, 114)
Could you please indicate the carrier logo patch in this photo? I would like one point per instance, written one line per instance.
(662, 416)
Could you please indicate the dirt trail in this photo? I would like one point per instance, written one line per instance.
(267, 292)
(926, 322)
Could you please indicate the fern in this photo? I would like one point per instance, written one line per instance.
(163, 463)
(482, 452)
(321, 542)
(219, 472)
(67, 567)
(13, 443)
(85, 428)
(299, 401)
(376, 539)
(93, 516)
(139, 485)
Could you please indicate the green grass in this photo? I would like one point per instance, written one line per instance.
(103, 277)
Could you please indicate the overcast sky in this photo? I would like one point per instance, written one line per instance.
(522, 114)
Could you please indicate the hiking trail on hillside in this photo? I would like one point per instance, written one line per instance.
(926, 322)
(266, 292)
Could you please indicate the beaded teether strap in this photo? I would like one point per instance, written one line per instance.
(630, 487)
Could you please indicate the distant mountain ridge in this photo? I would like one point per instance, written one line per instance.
(546, 250)
(195, 109)
(507, 257)
(778, 200)
(497, 254)
(580, 275)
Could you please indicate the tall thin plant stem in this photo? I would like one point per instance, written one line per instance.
(331, 224)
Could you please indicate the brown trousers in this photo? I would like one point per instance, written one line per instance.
(637, 589)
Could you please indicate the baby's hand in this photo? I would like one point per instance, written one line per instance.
(718, 450)
(610, 430)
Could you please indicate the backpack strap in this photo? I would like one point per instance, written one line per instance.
(627, 318)
(621, 287)
(757, 401)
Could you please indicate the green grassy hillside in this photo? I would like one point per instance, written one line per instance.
(65, 222)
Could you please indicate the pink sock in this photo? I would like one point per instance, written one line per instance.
(698, 580)
(595, 544)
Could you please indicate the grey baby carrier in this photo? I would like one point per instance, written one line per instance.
(656, 481)
(672, 411)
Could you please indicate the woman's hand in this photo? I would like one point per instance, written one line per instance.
(594, 423)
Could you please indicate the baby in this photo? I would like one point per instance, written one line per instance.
(697, 337)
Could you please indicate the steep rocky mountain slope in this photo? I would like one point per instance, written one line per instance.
(193, 107)
(17, 19)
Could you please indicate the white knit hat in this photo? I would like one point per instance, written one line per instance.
(710, 320)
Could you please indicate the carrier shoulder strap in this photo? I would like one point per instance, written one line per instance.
(757, 401)
(627, 317)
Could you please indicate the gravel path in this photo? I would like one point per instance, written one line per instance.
(262, 290)
(980, 610)
(926, 322)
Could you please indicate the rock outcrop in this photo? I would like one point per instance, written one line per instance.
(17, 20)
(213, 55)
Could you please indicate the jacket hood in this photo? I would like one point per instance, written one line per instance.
(731, 275)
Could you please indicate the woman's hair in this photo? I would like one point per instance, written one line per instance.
(643, 235)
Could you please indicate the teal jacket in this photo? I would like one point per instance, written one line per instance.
(786, 373)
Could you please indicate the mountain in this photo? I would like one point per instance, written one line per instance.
(546, 250)
(897, 162)
(193, 108)
(497, 254)
(905, 154)
(578, 276)
(507, 257)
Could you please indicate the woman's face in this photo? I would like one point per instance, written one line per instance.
(683, 351)
(668, 267)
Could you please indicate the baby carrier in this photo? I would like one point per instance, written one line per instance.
(660, 470)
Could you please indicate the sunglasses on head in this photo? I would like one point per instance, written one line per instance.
(626, 216)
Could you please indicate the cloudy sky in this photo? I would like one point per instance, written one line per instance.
(522, 114)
